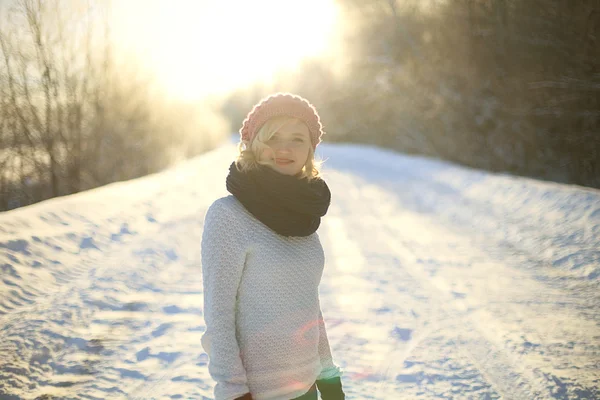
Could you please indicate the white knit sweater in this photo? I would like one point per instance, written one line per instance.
(264, 327)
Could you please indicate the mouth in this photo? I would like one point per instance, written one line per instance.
(283, 161)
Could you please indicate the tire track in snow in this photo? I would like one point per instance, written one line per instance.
(502, 369)
(348, 259)
(423, 190)
(353, 237)
(505, 371)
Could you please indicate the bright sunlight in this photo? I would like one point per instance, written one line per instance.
(199, 47)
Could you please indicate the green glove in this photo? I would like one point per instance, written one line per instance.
(331, 389)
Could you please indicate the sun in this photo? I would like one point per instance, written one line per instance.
(199, 47)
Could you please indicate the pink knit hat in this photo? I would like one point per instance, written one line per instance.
(279, 104)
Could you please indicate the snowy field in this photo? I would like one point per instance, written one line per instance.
(440, 282)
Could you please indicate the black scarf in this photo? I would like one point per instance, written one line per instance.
(288, 204)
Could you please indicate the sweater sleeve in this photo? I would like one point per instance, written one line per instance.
(328, 368)
(222, 256)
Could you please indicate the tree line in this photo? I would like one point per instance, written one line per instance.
(503, 85)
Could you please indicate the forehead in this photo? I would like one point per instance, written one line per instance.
(294, 127)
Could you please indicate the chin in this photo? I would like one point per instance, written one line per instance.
(288, 172)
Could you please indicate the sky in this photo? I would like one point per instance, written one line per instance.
(199, 47)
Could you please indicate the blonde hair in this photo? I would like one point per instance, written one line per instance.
(248, 157)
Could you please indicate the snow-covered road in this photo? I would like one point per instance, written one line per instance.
(440, 282)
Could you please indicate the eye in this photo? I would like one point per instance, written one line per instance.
(299, 140)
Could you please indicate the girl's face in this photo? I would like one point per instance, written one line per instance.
(289, 148)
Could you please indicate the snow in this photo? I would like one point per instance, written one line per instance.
(440, 282)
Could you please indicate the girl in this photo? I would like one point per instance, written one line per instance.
(262, 262)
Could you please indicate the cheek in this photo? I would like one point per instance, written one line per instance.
(266, 154)
(305, 154)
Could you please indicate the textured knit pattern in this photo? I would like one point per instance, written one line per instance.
(280, 104)
(265, 331)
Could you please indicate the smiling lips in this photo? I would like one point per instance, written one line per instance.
(283, 161)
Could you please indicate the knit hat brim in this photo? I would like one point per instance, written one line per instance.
(282, 104)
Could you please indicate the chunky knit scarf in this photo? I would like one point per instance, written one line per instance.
(289, 205)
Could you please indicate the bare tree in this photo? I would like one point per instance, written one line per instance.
(74, 114)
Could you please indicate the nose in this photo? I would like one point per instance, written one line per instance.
(282, 153)
(283, 145)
